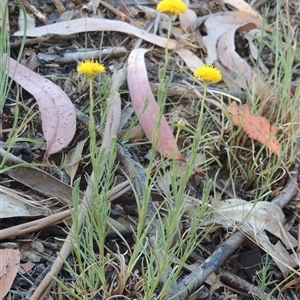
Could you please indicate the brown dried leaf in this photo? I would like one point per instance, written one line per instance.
(73, 158)
(42, 182)
(257, 127)
(26, 267)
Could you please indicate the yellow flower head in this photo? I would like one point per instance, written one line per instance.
(172, 7)
(90, 68)
(208, 74)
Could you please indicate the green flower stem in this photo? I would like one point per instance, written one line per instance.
(202, 105)
(92, 132)
(167, 44)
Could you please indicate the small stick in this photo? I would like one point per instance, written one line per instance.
(36, 13)
(59, 6)
(34, 225)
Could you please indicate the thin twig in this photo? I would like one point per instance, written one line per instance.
(210, 265)
(35, 225)
(59, 6)
(37, 13)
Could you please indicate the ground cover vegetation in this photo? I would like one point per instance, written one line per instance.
(149, 150)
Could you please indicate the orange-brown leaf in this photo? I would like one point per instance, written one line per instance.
(9, 265)
(257, 127)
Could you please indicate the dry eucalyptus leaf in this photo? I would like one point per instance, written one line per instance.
(11, 206)
(72, 160)
(230, 59)
(187, 19)
(125, 116)
(219, 24)
(281, 256)
(245, 76)
(191, 60)
(42, 182)
(94, 24)
(67, 15)
(113, 101)
(30, 21)
(230, 77)
(56, 109)
(26, 267)
(32, 62)
(255, 219)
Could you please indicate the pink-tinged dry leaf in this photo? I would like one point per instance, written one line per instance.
(146, 107)
(26, 267)
(187, 19)
(93, 24)
(9, 265)
(219, 24)
(257, 127)
(57, 111)
(245, 77)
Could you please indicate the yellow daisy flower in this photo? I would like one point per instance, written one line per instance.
(90, 68)
(208, 74)
(172, 7)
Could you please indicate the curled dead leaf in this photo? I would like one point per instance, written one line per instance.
(219, 24)
(256, 219)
